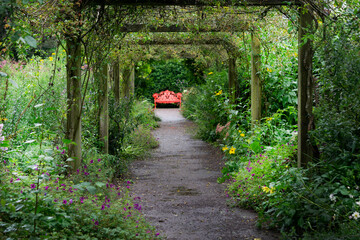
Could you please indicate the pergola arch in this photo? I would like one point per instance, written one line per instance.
(305, 53)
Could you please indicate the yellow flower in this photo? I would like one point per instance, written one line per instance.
(232, 150)
(31, 59)
(50, 58)
(242, 135)
(225, 148)
(295, 54)
(268, 69)
(64, 50)
(239, 131)
(41, 60)
(218, 93)
(265, 189)
(272, 190)
(269, 119)
(53, 53)
(3, 119)
(210, 73)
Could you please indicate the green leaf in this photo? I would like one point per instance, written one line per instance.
(66, 141)
(31, 41)
(100, 184)
(30, 141)
(91, 189)
(3, 202)
(2, 74)
(14, 83)
(38, 105)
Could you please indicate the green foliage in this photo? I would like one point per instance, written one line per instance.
(131, 122)
(38, 198)
(39, 201)
(205, 105)
(157, 76)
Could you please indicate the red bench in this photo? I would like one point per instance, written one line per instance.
(167, 97)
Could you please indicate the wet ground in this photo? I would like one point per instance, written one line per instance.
(179, 191)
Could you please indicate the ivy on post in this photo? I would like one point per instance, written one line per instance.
(305, 86)
(128, 81)
(255, 79)
(232, 78)
(116, 77)
(73, 124)
(103, 96)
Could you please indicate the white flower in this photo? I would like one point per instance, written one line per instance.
(356, 215)
(351, 196)
(358, 203)
(332, 197)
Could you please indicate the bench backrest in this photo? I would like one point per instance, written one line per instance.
(167, 96)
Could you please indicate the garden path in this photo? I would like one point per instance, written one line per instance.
(178, 188)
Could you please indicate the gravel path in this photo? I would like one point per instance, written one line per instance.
(178, 188)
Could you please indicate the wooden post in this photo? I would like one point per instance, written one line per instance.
(305, 54)
(232, 78)
(128, 81)
(104, 107)
(132, 79)
(73, 124)
(116, 76)
(255, 80)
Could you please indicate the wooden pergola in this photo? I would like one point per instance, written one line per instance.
(305, 54)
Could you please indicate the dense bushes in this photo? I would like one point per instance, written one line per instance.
(321, 201)
(157, 76)
(38, 196)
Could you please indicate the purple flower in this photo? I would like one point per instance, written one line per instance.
(57, 147)
(85, 166)
(33, 186)
(70, 201)
(55, 200)
(46, 188)
(99, 159)
(63, 152)
(64, 202)
(91, 161)
(99, 170)
(11, 180)
(96, 223)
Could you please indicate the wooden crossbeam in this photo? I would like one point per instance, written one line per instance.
(182, 28)
(195, 2)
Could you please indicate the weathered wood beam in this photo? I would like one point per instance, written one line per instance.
(128, 81)
(73, 113)
(181, 28)
(305, 85)
(232, 75)
(116, 77)
(103, 96)
(255, 80)
(195, 2)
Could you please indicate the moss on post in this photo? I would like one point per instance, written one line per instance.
(255, 80)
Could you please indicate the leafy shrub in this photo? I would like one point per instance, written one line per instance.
(205, 105)
(173, 75)
(39, 200)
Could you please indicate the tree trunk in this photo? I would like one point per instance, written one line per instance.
(255, 80)
(104, 108)
(73, 126)
(305, 86)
